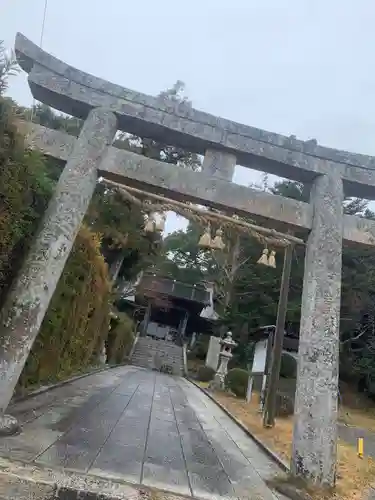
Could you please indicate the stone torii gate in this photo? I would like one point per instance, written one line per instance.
(106, 107)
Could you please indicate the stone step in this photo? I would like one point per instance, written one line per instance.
(159, 351)
(152, 356)
(152, 363)
(162, 351)
(146, 363)
(151, 360)
(148, 358)
(172, 353)
(157, 342)
(147, 349)
(157, 348)
(161, 355)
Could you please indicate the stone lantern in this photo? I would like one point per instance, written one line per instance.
(227, 344)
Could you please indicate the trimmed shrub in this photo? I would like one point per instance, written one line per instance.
(236, 380)
(205, 373)
(288, 367)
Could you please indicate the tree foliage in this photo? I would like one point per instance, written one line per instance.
(25, 189)
(8, 68)
(172, 97)
(247, 293)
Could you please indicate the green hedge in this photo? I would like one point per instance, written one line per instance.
(288, 368)
(205, 373)
(77, 321)
(236, 380)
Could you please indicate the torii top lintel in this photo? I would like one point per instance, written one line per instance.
(76, 93)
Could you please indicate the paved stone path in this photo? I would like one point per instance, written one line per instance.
(145, 428)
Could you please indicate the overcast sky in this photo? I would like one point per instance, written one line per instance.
(301, 67)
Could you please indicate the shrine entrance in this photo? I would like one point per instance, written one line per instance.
(106, 107)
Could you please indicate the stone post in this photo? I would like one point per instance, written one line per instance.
(146, 320)
(315, 427)
(32, 291)
(213, 353)
(182, 326)
(219, 164)
(193, 340)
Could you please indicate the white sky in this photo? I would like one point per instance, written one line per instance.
(302, 67)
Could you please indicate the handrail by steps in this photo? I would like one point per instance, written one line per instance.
(133, 346)
(184, 359)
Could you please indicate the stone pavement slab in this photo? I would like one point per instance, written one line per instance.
(144, 428)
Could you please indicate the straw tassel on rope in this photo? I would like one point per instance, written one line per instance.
(160, 224)
(205, 240)
(269, 236)
(272, 260)
(218, 243)
(264, 258)
(150, 224)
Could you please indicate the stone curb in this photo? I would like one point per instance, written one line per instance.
(43, 483)
(280, 462)
(47, 388)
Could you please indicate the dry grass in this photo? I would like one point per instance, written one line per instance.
(204, 385)
(354, 474)
(249, 415)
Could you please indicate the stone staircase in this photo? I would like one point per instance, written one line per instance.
(158, 355)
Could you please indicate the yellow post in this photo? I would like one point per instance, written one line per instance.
(360, 447)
